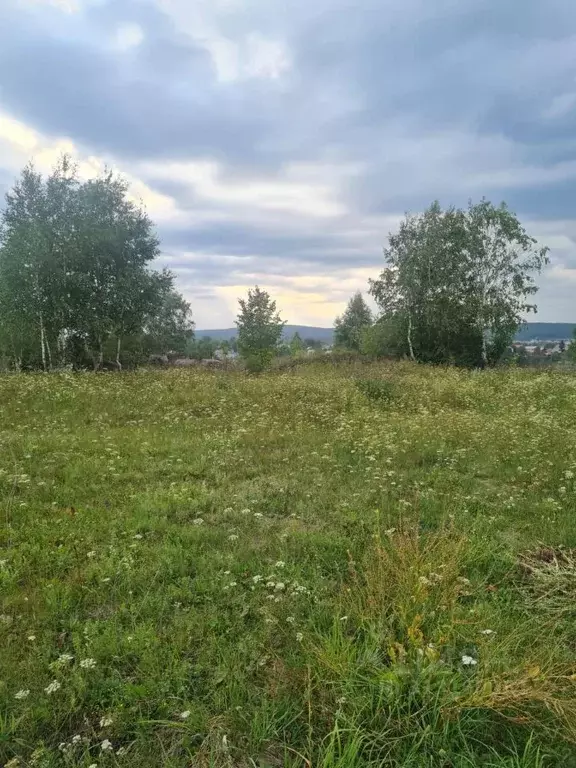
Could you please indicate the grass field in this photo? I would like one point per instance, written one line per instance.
(345, 567)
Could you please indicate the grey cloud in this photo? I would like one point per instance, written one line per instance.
(452, 99)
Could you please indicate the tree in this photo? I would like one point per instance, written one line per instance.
(296, 345)
(74, 268)
(459, 282)
(169, 327)
(571, 349)
(259, 329)
(385, 338)
(348, 329)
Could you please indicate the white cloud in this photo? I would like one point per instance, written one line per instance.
(128, 36)
(238, 52)
(295, 192)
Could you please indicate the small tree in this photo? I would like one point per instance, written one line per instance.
(259, 329)
(296, 345)
(348, 329)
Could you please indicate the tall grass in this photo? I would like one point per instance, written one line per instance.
(209, 569)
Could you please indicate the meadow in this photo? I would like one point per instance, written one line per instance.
(352, 566)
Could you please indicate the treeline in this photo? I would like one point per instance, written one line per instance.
(76, 287)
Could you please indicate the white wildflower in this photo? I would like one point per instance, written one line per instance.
(65, 658)
(76, 739)
(23, 694)
(233, 537)
(425, 581)
(343, 618)
(106, 721)
(341, 700)
(256, 579)
(88, 663)
(279, 564)
(138, 536)
(487, 632)
(31, 638)
(258, 515)
(52, 687)
(184, 715)
(290, 619)
(198, 521)
(280, 586)
(299, 637)
(568, 474)
(92, 553)
(469, 661)
(121, 752)
(106, 746)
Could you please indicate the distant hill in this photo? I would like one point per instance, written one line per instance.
(529, 332)
(305, 331)
(545, 331)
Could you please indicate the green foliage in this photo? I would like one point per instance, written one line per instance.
(228, 570)
(386, 338)
(459, 282)
(74, 273)
(259, 329)
(378, 390)
(571, 350)
(296, 345)
(349, 328)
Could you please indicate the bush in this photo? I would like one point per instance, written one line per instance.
(378, 390)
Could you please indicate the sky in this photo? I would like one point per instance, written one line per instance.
(278, 143)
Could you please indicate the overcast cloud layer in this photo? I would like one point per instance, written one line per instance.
(279, 142)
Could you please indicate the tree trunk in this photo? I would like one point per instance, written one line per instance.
(484, 351)
(42, 342)
(118, 345)
(48, 351)
(410, 348)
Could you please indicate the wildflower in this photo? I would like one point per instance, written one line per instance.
(299, 637)
(469, 661)
(106, 746)
(76, 739)
(233, 537)
(121, 752)
(341, 700)
(198, 521)
(343, 618)
(184, 715)
(52, 687)
(65, 658)
(31, 638)
(279, 564)
(258, 515)
(88, 663)
(425, 581)
(256, 579)
(487, 632)
(280, 586)
(290, 619)
(93, 765)
(568, 474)
(138, 536)
(13, 763)
(106, 721)
(23, 694)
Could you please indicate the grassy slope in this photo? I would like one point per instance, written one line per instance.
(282, 571)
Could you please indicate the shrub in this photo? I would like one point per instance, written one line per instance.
(378, 390)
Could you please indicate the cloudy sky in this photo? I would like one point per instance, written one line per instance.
(279, 141)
